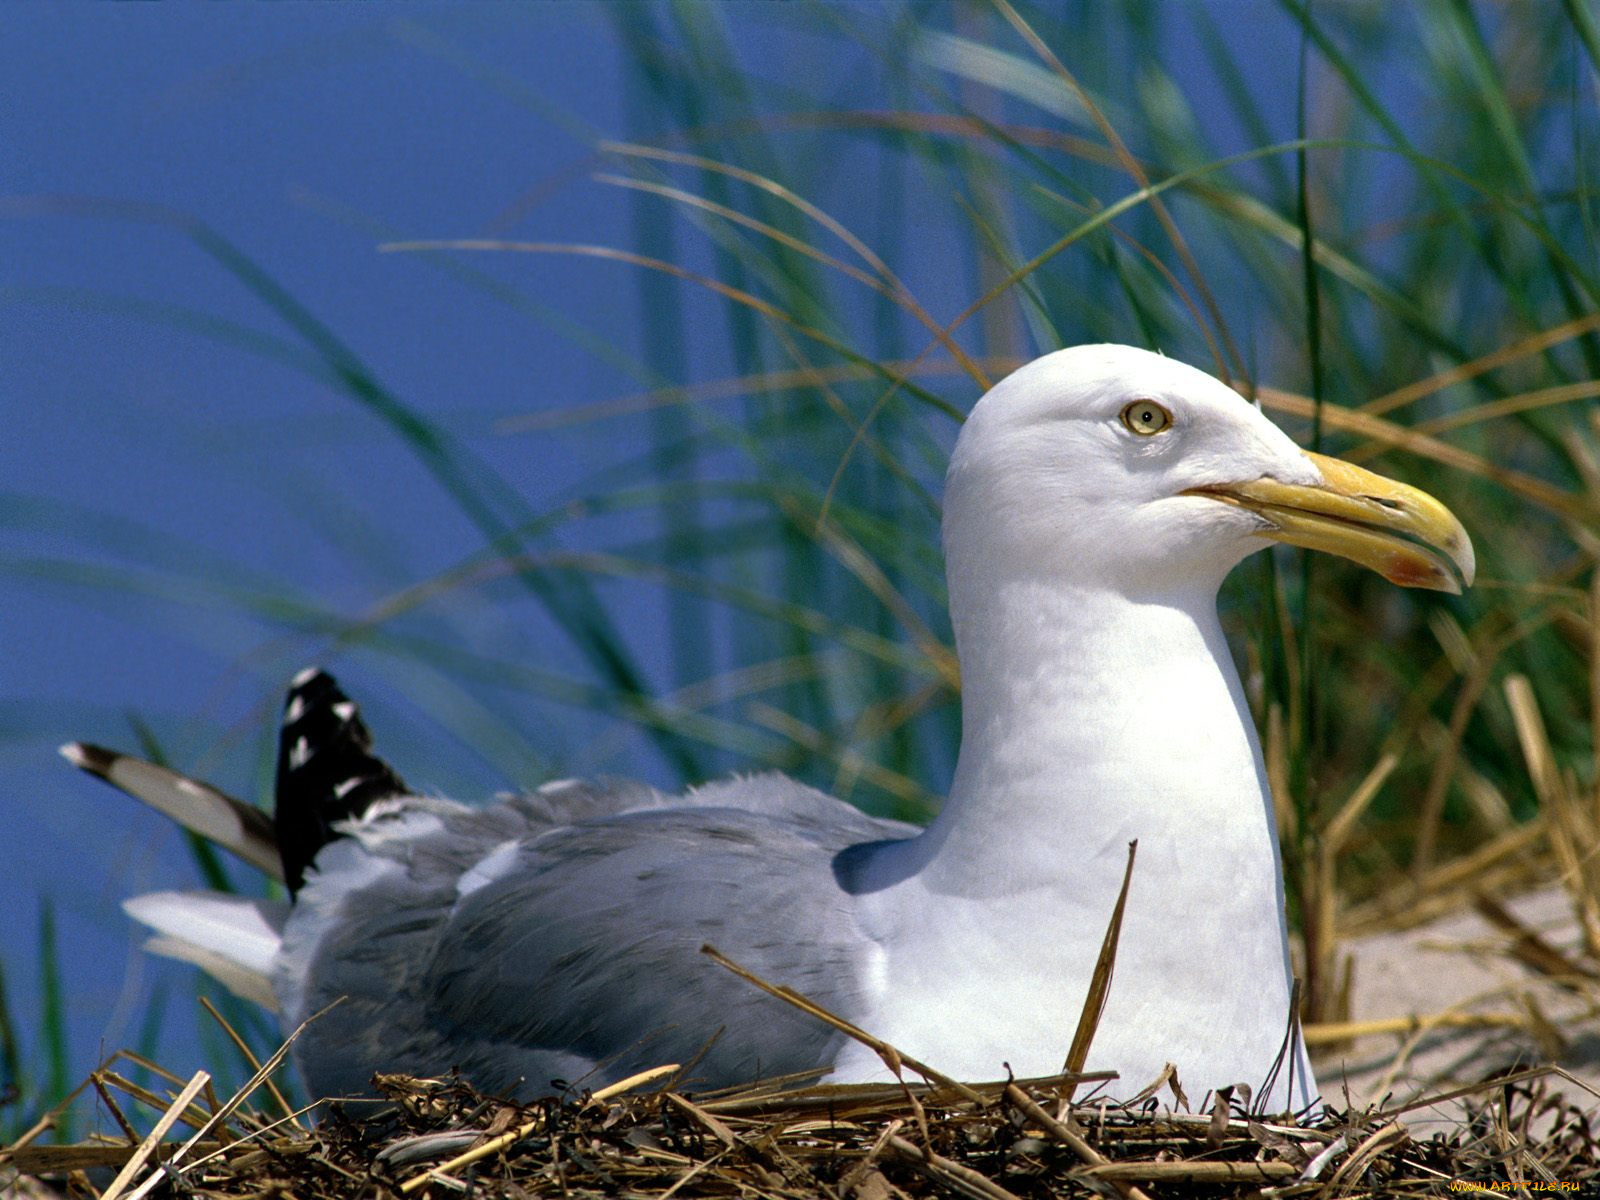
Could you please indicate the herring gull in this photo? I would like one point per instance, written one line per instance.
(1095, 500)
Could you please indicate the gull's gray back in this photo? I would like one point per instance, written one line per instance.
(557, 936)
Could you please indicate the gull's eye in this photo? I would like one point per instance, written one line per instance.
(1146, 417)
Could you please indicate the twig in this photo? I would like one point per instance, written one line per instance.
(961, 1178)
(1529, 948)
(153, 1138)
(227, 1110)
(1327, 1032)
(1190, 1172)
(1488, 1085)
(511, 1137)
(255, 1064)
(892, 1057)
(1063, 1133)
(1390, 1135)
(718, 1129)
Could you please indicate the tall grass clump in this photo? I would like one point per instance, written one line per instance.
(1387, 237)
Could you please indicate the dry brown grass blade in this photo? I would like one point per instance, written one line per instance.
(26, 1139)
(1577, 847)
(1434, 1099)
(901, 293)
(628, 257)
(849, 554)
(59, 1160)
(1166, 1078)
(1094, 1003)
(1192, 1172)
(1229, 362)
(147, 1147)
(221, 1114)
(851, 1143)
(882, 717)
(278, 1097)
(864, 1181)
(892, 1057)
(845, 1101)
(733, 388)
(1522, 348)
(147, 1064)
(1338, 830)
(884, 281)
(1386, 435)
(852, 764)
(1540, 756)
(1566, 393)
(1388, 1137)
(1332, 1032)
(717, 1128)
(106, 1075)
(1532, 949)
(111, 1106)
(496, 1144)
(956, 1176)
(1560, 805)
(1321, 893)
(1508, 862)
(1582, 456)
(255, 1134)
(1575, 819)
(1594, 690)
(1431, 813)
(1067, 1137)
(1275, 750)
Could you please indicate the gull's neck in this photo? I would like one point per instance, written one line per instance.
(1089, 719)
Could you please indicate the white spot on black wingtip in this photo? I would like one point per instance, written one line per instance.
(296, 709)
(345, 710)
(386, 809)
(299, 754)
(96, 760)
(341, 790)
(79, 755)
(305, 677)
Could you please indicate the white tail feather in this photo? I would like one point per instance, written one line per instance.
(234, 939)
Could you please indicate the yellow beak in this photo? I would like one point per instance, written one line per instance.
(1400, 532)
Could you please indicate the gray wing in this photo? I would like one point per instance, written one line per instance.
(558, 936)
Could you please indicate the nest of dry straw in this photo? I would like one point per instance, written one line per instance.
(642, 1138)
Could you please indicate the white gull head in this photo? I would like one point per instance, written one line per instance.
(1078, 467)
(1103, 465)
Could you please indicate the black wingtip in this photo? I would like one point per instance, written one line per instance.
(327, 772)
(86, 756)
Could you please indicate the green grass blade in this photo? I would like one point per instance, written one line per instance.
(53, 1019)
